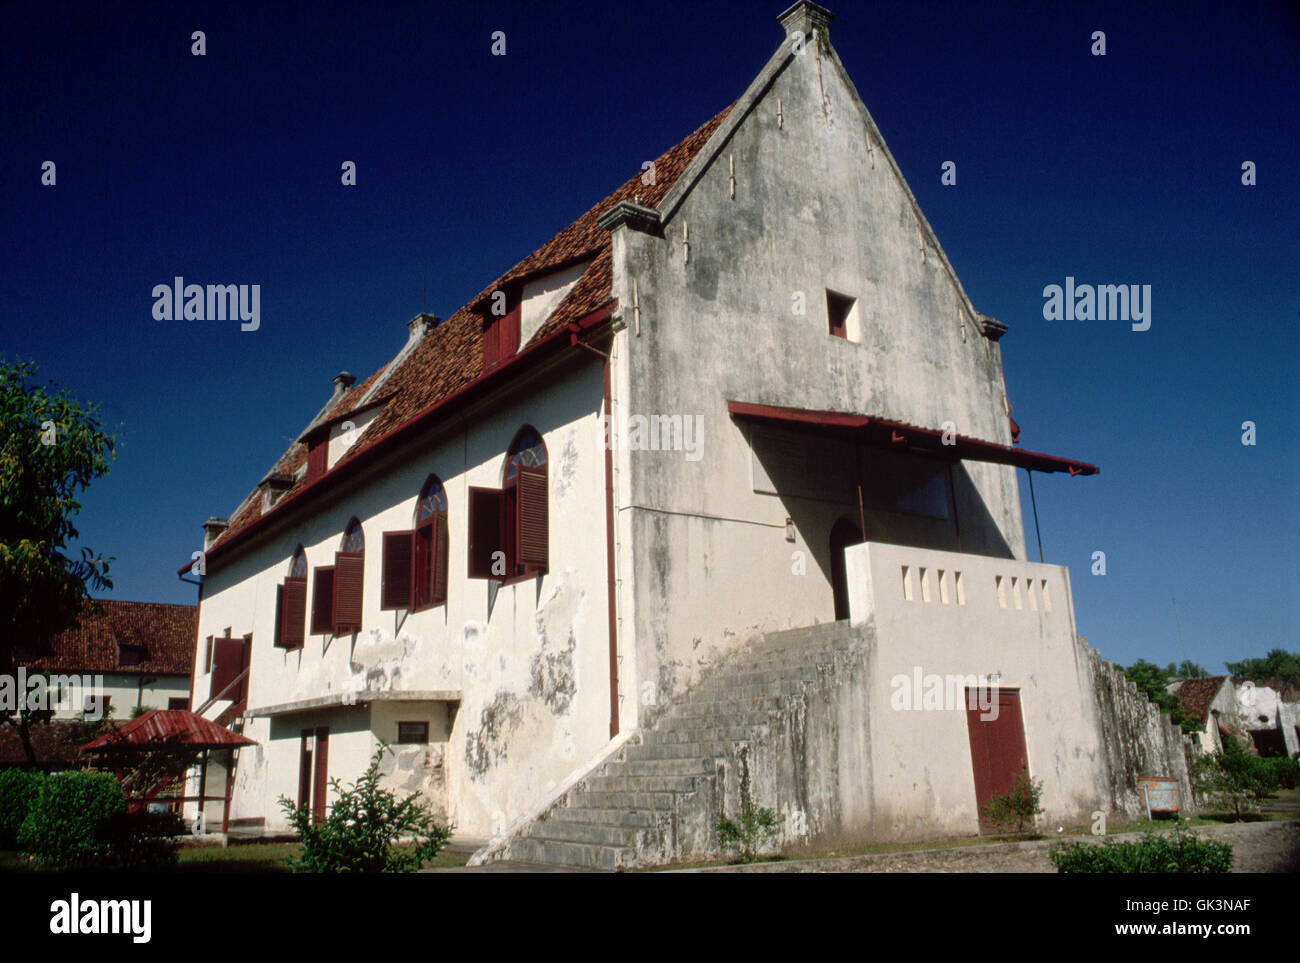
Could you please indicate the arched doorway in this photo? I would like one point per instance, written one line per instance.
(843, 534)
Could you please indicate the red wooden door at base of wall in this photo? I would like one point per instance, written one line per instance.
(997, 744)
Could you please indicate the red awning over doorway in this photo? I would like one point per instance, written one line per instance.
(884, 433)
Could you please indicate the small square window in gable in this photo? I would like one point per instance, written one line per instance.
(842, 316)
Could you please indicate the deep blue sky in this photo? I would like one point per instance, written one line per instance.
(1117, 169)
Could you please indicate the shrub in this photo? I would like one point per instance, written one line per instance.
(78, 820)
(141, 840)
(67, 822)
(1016, 809)
(360, 834)
(1233, 778)
(755, 829)
(1176, 852)
(17, 790)
(1285, 772)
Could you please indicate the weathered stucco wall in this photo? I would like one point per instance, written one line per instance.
(817, 206)
(846, 757)
(531, 659)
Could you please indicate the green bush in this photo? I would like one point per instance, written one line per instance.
(1233, 778)
(79, 820)
(1015, 810)
(1176, 852)
(745, 836)
(17, 790)
(141, 840)
(361, 832)
(1285, 772)
(67, 823)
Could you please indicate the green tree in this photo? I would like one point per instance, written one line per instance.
(1187, 669)
(1151, 680)
(51, 448)
(1278, 664)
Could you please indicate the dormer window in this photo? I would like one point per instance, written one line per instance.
(500, 328)
(131, 654)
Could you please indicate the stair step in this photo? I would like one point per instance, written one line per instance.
(626, 818)
(701, 751)
(593, 834)
(563, 853)
(626, 781)
(613, 799)
(707, 734)
(681, 765)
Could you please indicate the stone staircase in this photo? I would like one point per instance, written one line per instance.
(657, 798)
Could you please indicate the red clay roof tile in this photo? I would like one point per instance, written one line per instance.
(450, 356)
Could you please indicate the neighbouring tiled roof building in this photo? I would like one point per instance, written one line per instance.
(119, 655)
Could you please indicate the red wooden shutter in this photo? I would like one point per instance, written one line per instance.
(293, 613)
(533, 515)
(396, 589)
(508, 335)
(322, 601)
(317, 454)
(348, 570)
(440, 558)
(485, 535)
(491, 338)
(322, 784)
(227, 663)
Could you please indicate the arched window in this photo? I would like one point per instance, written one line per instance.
(291, 604)
(415, 562)
(336, 590)
(354, 539)
(509, 526)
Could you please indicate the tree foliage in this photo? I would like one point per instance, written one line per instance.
(51, 448)
(1187, 669)
(1278, 664)
(1151, 680)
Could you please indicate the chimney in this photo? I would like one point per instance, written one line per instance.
(343, 383)
(804, 17)
(212, 530)
(420, 325)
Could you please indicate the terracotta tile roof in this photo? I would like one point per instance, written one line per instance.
(449, 357)
(1195, 695)
(167, 634)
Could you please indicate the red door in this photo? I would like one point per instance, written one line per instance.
(997, 743)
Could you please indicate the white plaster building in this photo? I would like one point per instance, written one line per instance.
(515, 548)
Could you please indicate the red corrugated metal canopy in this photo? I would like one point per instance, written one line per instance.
(896, 434)
(159, 727)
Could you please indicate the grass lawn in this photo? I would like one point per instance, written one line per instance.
(249, 857)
